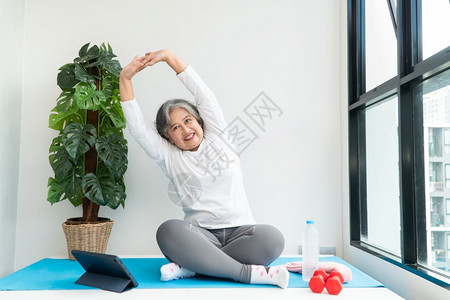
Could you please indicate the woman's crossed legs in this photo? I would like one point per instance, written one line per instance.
(239, 253)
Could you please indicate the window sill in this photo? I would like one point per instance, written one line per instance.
(439, 278)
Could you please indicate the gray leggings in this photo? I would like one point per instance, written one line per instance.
(225, 253)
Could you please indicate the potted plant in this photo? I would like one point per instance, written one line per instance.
(89, 155)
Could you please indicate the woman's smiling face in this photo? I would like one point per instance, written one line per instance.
(184, 130)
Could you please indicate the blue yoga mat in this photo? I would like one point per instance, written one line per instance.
(61, 274)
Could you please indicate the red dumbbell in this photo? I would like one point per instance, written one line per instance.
(317, 281)
(334, 283)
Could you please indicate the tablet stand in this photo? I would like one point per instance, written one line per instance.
(104, 271)
(105, 282)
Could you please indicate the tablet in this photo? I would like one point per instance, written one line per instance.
(104, 271)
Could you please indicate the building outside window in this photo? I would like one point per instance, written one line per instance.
(436, 128)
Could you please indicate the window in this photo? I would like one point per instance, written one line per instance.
(448, 248)
(399, 132)
(381, 44)
(435, 137)
(447, 141)
(435, 93)
(448, 208)
(447, 176)
(435, 18)
(383, 190)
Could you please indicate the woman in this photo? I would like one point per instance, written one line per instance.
(218, 236)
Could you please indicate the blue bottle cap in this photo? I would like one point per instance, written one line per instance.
(309, 222)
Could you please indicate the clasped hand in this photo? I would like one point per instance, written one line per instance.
(141, 62)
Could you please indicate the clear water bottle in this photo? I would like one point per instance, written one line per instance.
(310, 248)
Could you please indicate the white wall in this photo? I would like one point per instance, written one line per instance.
(404, 283)
(288, 49)
(11, 56)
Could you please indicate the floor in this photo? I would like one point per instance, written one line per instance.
(202, 294)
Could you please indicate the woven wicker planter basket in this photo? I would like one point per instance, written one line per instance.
(91, 237)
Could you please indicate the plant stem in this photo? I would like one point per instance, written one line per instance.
(90, 209)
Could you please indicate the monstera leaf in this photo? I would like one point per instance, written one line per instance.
(87, 54)
(112, 66)
(78, 139)
(64, 101)
(114, 115)
(66, 77)
(109, 85)
(60, 160)
(103, 189)
(83, 75)
(68, 173)
(58, 120)
(106, 62)
(55, 191)
(72, 181)
(87, 97)
(112, 150)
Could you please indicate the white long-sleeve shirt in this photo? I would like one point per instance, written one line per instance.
(207, 183)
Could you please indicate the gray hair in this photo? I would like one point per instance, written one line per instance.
(163, 118)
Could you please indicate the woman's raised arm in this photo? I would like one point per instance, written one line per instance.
(126, 87)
